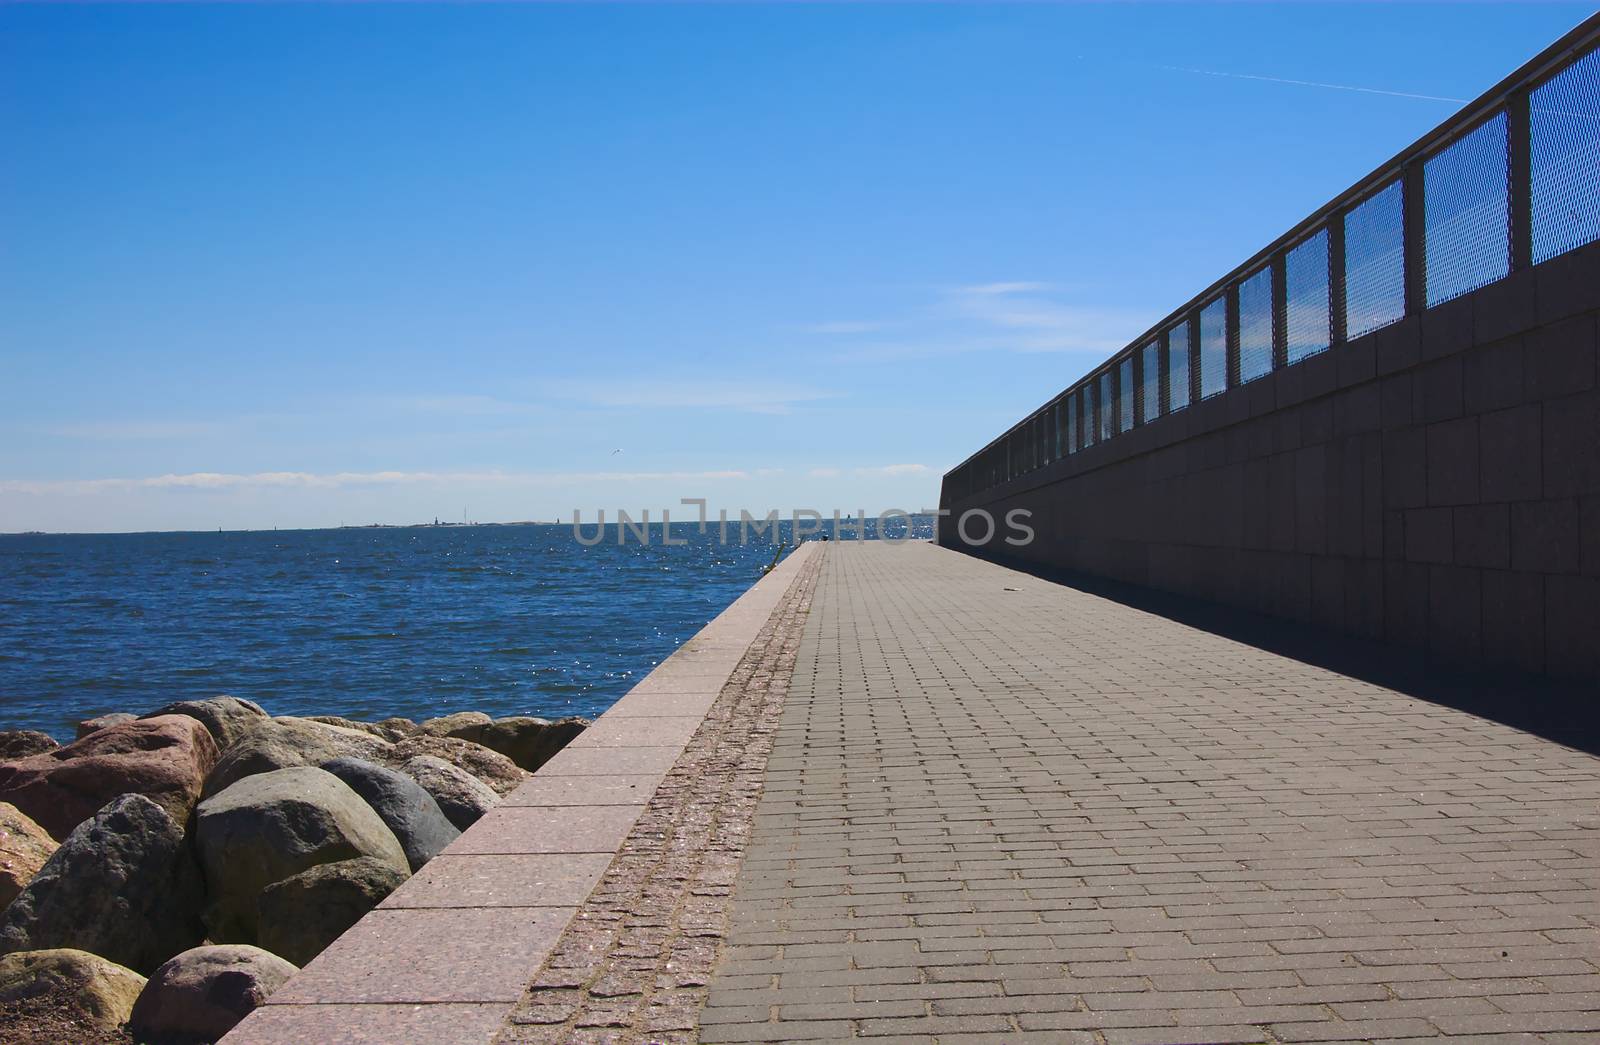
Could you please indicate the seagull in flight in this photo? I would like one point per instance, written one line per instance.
(616, 452)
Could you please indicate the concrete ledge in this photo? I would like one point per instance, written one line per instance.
(446, 956)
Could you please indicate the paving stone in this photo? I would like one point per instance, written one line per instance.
(1087, 822)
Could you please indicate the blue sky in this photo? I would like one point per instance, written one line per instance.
(302, 265)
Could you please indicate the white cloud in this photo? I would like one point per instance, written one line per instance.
(1020, 316)
(886, 470)
(1045, 325)
(747, 397)
(130, 430)
(995, 289)
(461, 405)
(847, 327)
(881, 471)
(343, 480)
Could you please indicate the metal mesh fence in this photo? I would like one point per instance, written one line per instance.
(1466, 211)
(1108, 412)
(1308, 327)
(1150, 398)
(1178, 367)
(1564, 126)
(1374, 261)
(1486, 201)
(1214, 349)
(1255, 326)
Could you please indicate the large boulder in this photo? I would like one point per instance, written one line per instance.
(462, 797)
(377, 729)
(123, 886)
(529, 742)
(304, 913)
(226, 718)
(461, 724)
(20, 743)
(166, 759)
(24, 848)
(399, 727)
(491, 767)
(285, 743)
(408, 810)
(269, 826)
(200, 994)
(100, 992)
(70, 989)
(99, 722)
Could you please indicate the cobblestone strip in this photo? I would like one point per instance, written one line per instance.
(634, 963)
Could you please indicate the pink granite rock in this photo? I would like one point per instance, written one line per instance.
(166, 759)
(24, 847)
(199, 995)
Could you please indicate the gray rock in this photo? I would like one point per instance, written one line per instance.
(285, 743)
(408, 810)
(529, 742)
(399, 727)
(462, 724)
(376, 729)
(69, 986)
(462, 797)
(20, 743)
(304, 913)
(99, 722)
(202, 993)
(226, 718)
(491, 767)
(123, 885)
(269, 826)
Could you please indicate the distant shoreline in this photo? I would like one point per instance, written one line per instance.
(362, 526)
(280, 529)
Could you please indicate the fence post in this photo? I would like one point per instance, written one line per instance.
(1519, 154)
(1138, 386)
(1338, 330)
(1191, 331)
(1413, 226)
(1164, 365)
(1280, 310)
(1230, 337)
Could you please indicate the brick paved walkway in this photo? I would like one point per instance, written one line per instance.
(1000, 810)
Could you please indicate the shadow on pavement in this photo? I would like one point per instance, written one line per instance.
(1565, 712)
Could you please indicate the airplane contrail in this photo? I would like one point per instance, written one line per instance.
(1314, 83)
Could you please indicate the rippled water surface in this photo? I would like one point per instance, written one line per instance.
(362, 622)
